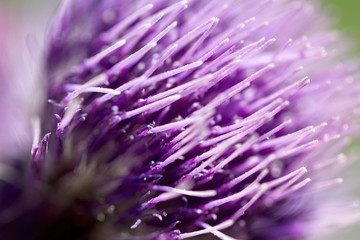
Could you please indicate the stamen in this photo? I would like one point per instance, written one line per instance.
(244, 131)
(285, 139)
(68, 116)
(240, 150)
(272, 157)
(190, 137)
(185, 149)
(190, 36)
(201, 194)
(324, 185)
(36, 134)
(214, 50)
(228, 94)
(338, 159)
(263, 188)
(92, 61)
(292, 189)
(214, 153)
(111, 34)
(234, 197)
(173, 126)
(247, 122)
(163, 58)
(217, 233)
(136, 224)
(274, 130)
(218, 227)
(190, 52)
(152, 107)
(289, 91)
(168, 74)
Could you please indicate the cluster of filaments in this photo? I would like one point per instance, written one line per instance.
(199, 111)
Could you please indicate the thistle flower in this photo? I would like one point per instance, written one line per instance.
(188, 119)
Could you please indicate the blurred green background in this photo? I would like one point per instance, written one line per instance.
(347, 17)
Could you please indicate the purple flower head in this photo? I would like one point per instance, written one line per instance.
(193, 119)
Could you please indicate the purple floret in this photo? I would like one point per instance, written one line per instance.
(195, 119)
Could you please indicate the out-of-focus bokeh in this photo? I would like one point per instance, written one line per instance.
(347, 18)
(346, 13)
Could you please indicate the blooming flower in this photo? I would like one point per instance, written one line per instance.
(187, 119)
